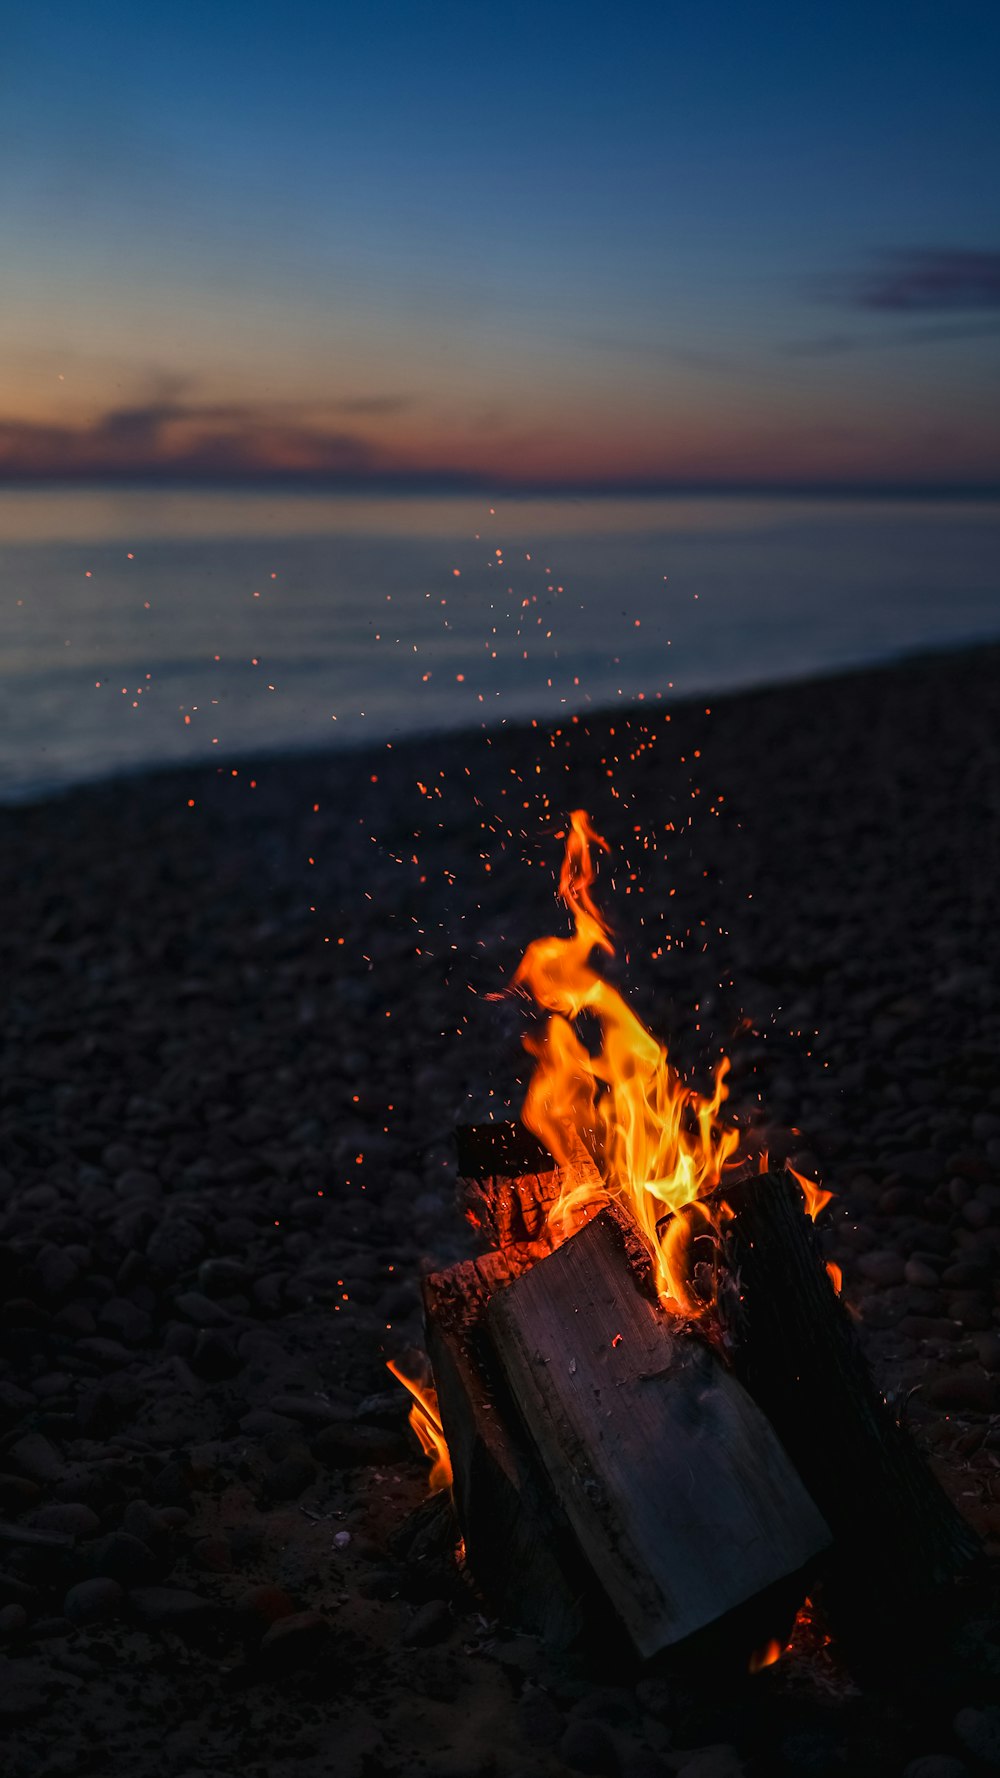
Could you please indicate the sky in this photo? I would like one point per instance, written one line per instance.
(530, 245)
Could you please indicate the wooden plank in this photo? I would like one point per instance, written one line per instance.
(677, 1490)
(796, 1350)
(518, 1547)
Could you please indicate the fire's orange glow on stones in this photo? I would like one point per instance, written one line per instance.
(425, 1419)
(620, 1120)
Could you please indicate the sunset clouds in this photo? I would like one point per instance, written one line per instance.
(402, 246)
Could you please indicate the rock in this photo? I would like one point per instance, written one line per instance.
(148, 1524)
(70, 1517)
(972, 1309)
(13, 1619)
(965, 1274)
(882, 1268)
(17, 1493)
(988, 1349)
(224, 1277)
(308, 1410)
(917, 1271)
(968, 1390)
(169, 1608)
(290, 1477)
(297, 1640)
(94, 1601)
(201, 1310)
(712, 1762)
(262, 1606)
(214, 1356)
(431, 1623)
(124, 1558)
(979, 1732)
(213, 1554)
(589, 1747)
(37, 1458)
(348, 1447)
(175, 1246)
(125, 1322)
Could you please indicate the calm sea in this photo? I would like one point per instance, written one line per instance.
(139, 628)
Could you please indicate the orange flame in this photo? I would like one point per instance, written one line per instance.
(619, 1120)
(425, 1418)
(816, 1197)
(836, 1275)
(765, 1657)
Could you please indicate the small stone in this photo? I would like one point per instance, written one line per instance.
(979, 1731)
(297, 1640)
(918, 1272)
(882, 1268)
(589, 1747)
(215, 1357)
(988, 1348)
(175, 1246)
(168, 1608)
(348, 1447)
(213, 1554)
(968, 1390)
(37, 1458)
(223, 1277)
(125, 1322)
(713, 1762)
(70, 1517)
(429, 1624)
(17, 1493)
(307, 1410)
(261, 1606)
(201, 1310)
(13, 1619)
(290, 1478)
(124, 1558)
(94, 1601)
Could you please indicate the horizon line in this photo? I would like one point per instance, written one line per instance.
(451, 483)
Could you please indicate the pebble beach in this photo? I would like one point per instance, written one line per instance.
(245, 1007)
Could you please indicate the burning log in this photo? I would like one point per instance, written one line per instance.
(794, 1347)
(516, 1544)
(608, 1461)
(606, 1465)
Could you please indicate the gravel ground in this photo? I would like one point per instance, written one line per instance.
(244, 1010)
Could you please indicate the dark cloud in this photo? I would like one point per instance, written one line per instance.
(167, 437)
(930, 281)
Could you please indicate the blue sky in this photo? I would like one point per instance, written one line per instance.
(545, 244)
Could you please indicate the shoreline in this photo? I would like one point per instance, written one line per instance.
(943, 656)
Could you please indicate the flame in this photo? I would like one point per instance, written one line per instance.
(425, 1418)
(619, 1120)
(766, 1656)
(816, 1196)
(836, 1275)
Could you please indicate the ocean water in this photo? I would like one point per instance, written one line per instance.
(148, 627)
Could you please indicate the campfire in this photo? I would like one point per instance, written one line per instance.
(649, 1402)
